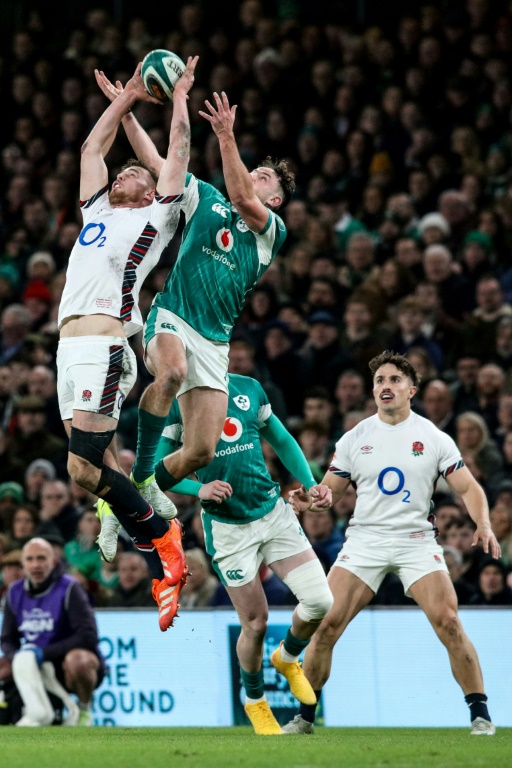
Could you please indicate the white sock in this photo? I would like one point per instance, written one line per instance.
(287, 657)
(255, 701)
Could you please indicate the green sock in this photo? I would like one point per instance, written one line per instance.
(253, 683)
(294, 645)
(149, 432)
(164, 479)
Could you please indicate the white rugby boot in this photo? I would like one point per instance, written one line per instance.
(482, 727)
(155, 497)
(298, 725)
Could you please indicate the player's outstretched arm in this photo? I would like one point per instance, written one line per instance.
(93, 171)
(171, 180)
(473, 496)
(238, 180)
(141, 144)
(290, 453)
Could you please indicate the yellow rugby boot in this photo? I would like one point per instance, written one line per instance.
(292, 671)
(262, 719)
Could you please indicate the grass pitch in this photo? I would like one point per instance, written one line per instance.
(235, 747)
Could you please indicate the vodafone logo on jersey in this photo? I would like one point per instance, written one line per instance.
(224, 240)
(232, 430)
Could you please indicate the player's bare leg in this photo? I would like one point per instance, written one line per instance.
(436, 596)
(304, 575)
(252, 609)
(166, 359)
(204, 412)
(351, 595)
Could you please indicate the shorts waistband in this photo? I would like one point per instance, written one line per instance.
(67, 340)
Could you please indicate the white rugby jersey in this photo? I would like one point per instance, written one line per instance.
(394, 469)
(114, 253)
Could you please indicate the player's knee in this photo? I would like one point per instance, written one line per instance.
(86, 452)
(197, 456)
(449, 626)
(170, 379)
(309, 584)
(255, 628)
(80, 665)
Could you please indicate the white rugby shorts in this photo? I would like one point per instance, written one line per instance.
(237, 551)
(370, 557)
(94, 373)
(207, 360)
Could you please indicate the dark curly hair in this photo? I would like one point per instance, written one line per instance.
(286, 179)
(399, 361)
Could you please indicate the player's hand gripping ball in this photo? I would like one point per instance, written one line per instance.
(160, 72)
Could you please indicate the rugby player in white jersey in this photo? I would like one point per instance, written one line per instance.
(394, 459)
(227, 245)
(125, 230)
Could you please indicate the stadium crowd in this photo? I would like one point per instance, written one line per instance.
(399, 237)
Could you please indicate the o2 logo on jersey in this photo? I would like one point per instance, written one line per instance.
(232, 430)
(92, 234)
(391, 481)
(224, 239)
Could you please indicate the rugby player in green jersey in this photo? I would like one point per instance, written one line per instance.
(246, 522)
(227, 246)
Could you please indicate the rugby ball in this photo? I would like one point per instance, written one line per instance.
(160, 72)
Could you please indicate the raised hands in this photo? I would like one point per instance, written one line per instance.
(222, 116)
(186, 81)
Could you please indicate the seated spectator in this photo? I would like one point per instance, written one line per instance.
(134, 586)
(11, 495)
(463, 389)
(490, 385)
(459, 534)
(31, 439)
(454, 562)
(285, 366)
(313, 438)
(502, 346)
(479, 329)
(505, 473)
(11, 570)
(324, 359)
(446, 512)
(452, 287)
(349, 395)
(492, 585)
(23, 524)
(360, 261)
(433, 229)
(501, 523)
(318, 406)
(326, 539)
(201, 583)
(82, 551)
(438, 406)
(344, 508)
(471, 434)
(37, 473)
(12, 469)
(361, 336)
(59, 659)
(57, 514)
(410, 318)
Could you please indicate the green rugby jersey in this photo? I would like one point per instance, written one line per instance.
(219, 261)
(238, 456)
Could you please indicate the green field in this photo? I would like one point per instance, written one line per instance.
(239, 748)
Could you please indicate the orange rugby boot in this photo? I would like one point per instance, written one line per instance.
(171, 553)
(166, 598)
